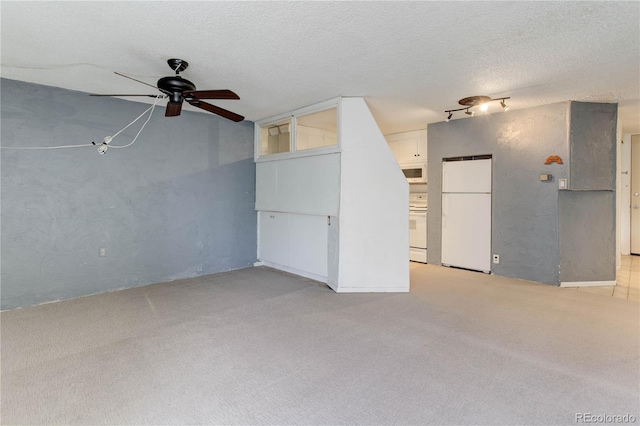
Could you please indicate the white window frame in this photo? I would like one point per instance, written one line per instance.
(294, 153)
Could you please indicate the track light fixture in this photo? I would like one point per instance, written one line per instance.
(479, 101)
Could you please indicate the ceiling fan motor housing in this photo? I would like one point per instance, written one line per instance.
(174, 86)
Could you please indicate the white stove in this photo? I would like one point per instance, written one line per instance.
(418, 228)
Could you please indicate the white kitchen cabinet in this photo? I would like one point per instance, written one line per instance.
(409, 147)
(295, 241)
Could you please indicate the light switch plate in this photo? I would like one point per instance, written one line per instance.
(562, 183)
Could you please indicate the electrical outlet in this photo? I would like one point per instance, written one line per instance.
(496, 258)
(102, 252)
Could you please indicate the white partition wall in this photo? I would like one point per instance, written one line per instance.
(294, 198)
(374, 208)
(337, 213)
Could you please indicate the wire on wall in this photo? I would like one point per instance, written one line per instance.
(45, 147)
(143, 125)
(102, 148)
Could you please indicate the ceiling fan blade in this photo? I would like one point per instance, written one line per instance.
(217, 110)
(150, 96)
(211, 94)
(173, 109)
(131, 78)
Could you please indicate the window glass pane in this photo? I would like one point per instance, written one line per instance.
(275, 138)
(317, 130)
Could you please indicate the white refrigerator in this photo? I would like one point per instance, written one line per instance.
(466, 214)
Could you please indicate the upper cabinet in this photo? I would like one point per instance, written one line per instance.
(409, 147)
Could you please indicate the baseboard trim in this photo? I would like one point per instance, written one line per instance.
(586, 283)
(372, 290)
(294, 271)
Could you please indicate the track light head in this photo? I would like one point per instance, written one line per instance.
(504, 106)
(471, 113)
(449, 116)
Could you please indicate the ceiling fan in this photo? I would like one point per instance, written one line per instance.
(178, 89)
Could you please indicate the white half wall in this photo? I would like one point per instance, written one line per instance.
(374, 208)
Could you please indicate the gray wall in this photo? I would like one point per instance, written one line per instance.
(178, 203)
(592, 141)
(526, 212)
(587, 236)
(587, 214)
(524, 209)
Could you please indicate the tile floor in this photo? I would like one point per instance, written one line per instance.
(627, 281)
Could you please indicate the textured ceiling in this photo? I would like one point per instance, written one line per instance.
(410, 60)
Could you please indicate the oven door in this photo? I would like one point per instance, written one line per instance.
(418, 229)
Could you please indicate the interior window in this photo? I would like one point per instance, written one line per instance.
(317, 130)
(275, 137)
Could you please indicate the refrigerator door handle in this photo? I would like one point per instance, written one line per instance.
(444, 212)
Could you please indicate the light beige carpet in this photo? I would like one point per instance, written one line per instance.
(257, 346)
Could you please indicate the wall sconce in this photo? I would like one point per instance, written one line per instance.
(480, 101)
